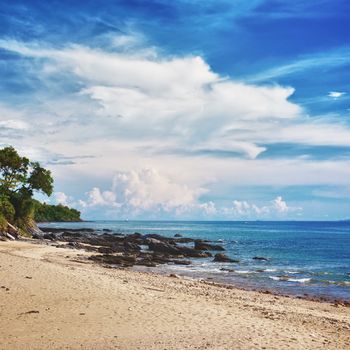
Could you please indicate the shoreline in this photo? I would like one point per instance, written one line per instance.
(56, 299)
(165, 254)
(217, 283)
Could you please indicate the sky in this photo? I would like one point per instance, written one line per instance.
(182, 109)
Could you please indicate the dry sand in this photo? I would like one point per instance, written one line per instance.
(51, 299)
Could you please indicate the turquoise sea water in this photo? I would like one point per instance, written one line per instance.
(304, 257)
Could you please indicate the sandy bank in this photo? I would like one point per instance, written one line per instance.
(49, 299)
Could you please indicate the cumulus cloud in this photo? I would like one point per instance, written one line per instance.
(277, 207)
(96, 197)
(146, 191)
(61, 198)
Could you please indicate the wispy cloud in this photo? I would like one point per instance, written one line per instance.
(334, 58)
(336, 94)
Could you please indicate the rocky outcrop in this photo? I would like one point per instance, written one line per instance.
(133, 249)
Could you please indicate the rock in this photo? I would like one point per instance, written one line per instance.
(131, 247)
(173, 275)
(146, 262)
(200, 245)
(177, 235)
(106, 250)
(75, 245)
(37, 236)
(49, 236)
(136, 237)
(162, 247)
(260, 258)
(124, 260)
(193, 253)
(71, 234)
(181, 262)
(224, 258)
(183, 240)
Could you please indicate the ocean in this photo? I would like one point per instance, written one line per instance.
(304, 258)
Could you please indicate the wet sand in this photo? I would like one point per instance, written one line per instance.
(53, 298)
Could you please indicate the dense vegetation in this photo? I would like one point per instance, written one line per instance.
(19, 180)
(45, 212)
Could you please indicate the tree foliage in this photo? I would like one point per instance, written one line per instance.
(45, 212)
(19, 180)
(19, 175)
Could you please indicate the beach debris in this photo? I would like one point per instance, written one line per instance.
(29, 312)
(155, 289)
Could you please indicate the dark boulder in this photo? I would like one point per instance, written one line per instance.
(124, 260)
(110, 250)
(50, 236)
(162, 247)
(224, 258)
(200, 245)
(177, 235)
(261, 258)
(183, 240)
(160, 238)
(136, 238)
(72, 234)
(131, 247)
(181, 262)
(193, 253)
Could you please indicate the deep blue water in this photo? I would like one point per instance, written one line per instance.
(304, 257)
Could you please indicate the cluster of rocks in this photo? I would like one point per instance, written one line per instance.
(135, 249)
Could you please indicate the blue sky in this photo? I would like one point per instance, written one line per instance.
(182, 109)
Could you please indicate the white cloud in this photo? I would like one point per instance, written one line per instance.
(14, 124)
(61, 198)
(135, 95)
(131, 108)
(336, 94)
(332, 58)
(147, 191)
(208, 208)
(276, 208)
(96, 197)
(280, 205)
(130, 95)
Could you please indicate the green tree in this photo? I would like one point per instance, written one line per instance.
(19, 175)
(19, 179)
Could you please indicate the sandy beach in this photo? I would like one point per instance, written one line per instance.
(53, 299)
